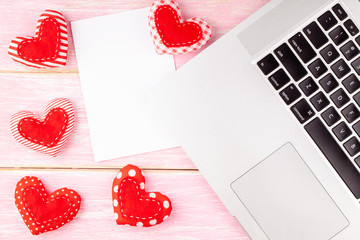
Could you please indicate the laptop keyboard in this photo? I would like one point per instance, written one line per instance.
(316, 73)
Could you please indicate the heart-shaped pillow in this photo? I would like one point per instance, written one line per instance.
(47, 135)
(48, 48)
(42, 212)
(134, 206)
(171, 34)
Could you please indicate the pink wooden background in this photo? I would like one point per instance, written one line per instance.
(197, 214)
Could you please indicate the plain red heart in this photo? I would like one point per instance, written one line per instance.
(47, 132)
(42, 212)
(134, 206)
(45, 47)
(173, 32)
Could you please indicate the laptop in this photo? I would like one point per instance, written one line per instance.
(270, 114)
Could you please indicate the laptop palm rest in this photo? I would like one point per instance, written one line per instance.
(286, 199)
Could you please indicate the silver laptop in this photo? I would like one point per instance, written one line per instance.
(270, 115)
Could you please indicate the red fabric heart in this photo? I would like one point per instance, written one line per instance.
(172, 31)
(47, 132)
(134, 206)
(46, 135)
(48, 48)
(171, 34)
(42, 212)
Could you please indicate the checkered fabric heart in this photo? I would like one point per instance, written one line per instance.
(171, 34)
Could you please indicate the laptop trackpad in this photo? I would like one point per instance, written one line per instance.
(287, 200)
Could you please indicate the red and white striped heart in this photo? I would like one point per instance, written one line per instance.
(49, 134)
(48, 48)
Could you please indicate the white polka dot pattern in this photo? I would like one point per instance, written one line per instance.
(29, 188)
(132, 205)
(59, 103)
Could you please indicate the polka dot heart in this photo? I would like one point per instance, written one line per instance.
(47, 135)
(42, 212)
(134, 206)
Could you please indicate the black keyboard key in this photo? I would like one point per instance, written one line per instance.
(290, 62)
(317, 68)
(328, 83)
(351, 113)
(340, 68)
(290, 94)
(357, 161)
(349, 50)
(279, 79)
(356, 128)
(302, 47)
(315, 34)
(329, 53)
(351, 83)
(351, 27)
(339, 11)
(338, 35)
(358, 40)
(268, 64)
(352, 146)
(327, 20)
(302, 111)
(308, 86)
(319, 101)
(340, 98)
(335, 155)
(330, 116)
(342, 131)
(357, 98)
(356, 65)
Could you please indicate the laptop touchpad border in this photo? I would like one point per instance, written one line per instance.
(286, 199)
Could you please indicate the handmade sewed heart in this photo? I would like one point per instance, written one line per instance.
(171, 34)
(47, 135)
(42, 212)
(48, 48)
(132, 205)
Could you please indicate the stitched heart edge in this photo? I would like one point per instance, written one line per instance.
(34, 226)
(135, 174)
(160, 47)
(62, 103)
(60, 60)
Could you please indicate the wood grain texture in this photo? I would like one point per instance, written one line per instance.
(197, 211)
(197, 214)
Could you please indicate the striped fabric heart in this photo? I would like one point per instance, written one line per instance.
(171, 34)
(47, 135)
(48, 48)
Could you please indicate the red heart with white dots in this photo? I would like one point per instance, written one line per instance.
(47, 135)
(42, 212)
(134, 206)
(48, 48)
(171, 34)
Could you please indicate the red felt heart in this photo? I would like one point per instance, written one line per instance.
(173, 32)
(173, 35)
(42, 212)
(48, 48)
(45, 47)
(134, 206)
(46, 135)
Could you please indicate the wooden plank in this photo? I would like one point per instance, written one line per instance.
(32, 92)
(197, 211)
(221, 14)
